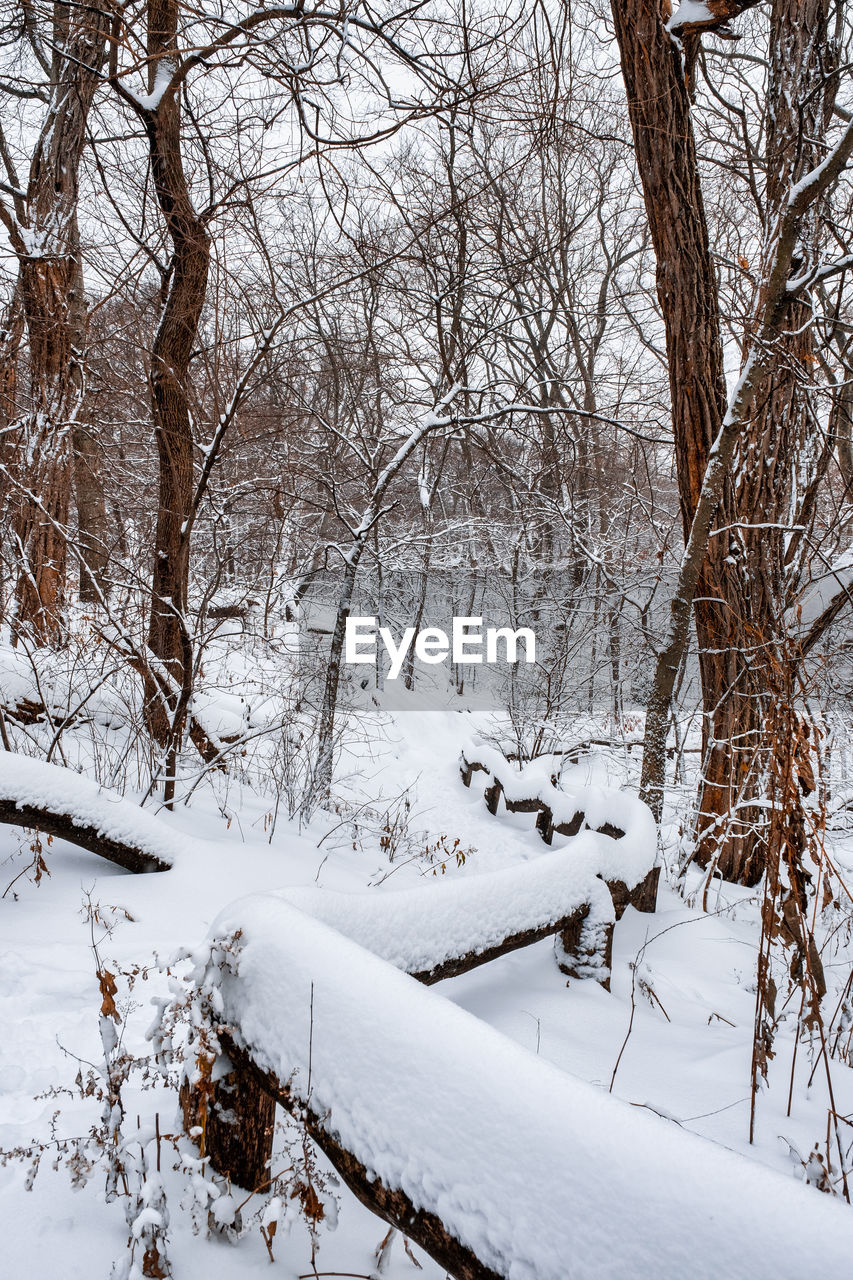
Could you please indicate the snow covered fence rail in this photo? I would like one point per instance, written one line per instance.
(488, 1157)
(621, 826)
(66, 804)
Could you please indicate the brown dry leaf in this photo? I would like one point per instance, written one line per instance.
(151, 1265)
(107, 983)
(309, 1201)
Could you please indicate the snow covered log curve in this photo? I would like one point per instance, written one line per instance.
(621, 827)
(75, 808)
(491, 1159)
(440, 930)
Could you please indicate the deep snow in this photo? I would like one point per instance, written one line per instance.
(694, 1068)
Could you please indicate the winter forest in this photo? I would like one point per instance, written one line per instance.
(426, 695)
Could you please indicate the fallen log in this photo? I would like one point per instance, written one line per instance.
(452, 926)
(486, 1155)
(67, 827)
(241, 1149)
(562, 897)
(61, 803)
(569, 928)
(565, 813)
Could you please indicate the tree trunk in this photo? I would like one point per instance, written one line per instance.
(321, 779)
(88, 480)
(665, 149)
(168, 636)
(740, 597)
(774, 455)
(44, 238)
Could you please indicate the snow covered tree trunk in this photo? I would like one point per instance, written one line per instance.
(43, 234)
(665, 149)
(777, 464)
(321, 780)
(737, 599)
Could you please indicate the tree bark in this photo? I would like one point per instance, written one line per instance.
(257, 1090)
(168, 634)
(44, 237)
(775, 451)
(88, 478)
(737, 600)
(665, 149)
(67, 827)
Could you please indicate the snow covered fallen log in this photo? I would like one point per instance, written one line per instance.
(488, 1157)
(68, 805)
(620, 826)
(430, 933)
(440, 930)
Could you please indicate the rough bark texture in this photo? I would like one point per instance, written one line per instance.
(237, 1122)
(659, 109)
(44, 237)
(91, 512)
(88, 480)
(11, 336)
(779, 460)
(739, 592)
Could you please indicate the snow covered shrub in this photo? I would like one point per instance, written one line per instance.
(79, 705)
(388, 825)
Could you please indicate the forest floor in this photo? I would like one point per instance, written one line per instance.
(683, 983)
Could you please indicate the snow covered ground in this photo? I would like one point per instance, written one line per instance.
(689, 976)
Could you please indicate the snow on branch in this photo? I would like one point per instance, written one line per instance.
(695, 16)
